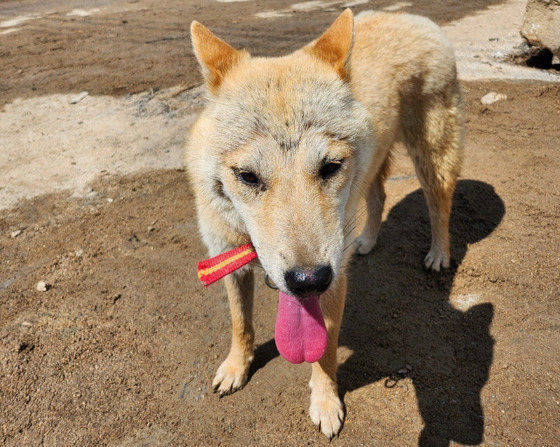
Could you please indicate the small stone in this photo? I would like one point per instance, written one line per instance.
(15, 234)
(403, 371)
(492, 97)
(42, 286)
(90, 193)
(79, 97)
(407, 366)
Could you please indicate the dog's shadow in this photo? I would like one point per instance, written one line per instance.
(399, 322)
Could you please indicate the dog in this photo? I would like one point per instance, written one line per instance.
(291, 151)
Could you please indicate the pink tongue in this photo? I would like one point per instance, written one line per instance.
(301, 335)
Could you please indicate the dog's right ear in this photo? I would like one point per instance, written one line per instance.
(215, 56)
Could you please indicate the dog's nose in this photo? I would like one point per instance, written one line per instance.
(305, 282)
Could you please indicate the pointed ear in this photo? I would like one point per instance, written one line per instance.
(335, 45)
(215, 56)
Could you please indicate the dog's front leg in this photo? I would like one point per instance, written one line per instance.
(327, 410)
(233, 372)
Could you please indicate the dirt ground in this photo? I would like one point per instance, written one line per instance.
(121, 347)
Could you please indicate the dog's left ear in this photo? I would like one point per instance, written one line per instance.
(215, 56)
(335, 45)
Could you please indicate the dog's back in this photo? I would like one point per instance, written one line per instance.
(399, 60)
(397, 49)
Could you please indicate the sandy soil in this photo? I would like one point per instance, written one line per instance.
(121, 347)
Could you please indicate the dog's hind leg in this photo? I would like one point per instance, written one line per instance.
(233, 372)
(434, 141)
(326, 409)
(375, 201)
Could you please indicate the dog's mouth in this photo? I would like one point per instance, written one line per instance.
(300, 332)
(269, 282)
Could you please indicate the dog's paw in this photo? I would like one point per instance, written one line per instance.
(327, 413)
(363, 245)
(231, 376)
(436, 260)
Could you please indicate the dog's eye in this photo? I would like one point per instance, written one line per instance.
(329, 169)
(249, 178)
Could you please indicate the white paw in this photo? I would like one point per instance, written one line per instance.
(231, 376)
(364, 245)
(436, 260)
(327, 413)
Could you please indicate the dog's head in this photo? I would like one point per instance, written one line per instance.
(282, 150)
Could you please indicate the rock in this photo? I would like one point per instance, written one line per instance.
(541, 24)
(492, 97)
(42, 286)
(80, 96)
(15, 234)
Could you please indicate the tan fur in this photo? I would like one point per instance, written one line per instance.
(256, 157)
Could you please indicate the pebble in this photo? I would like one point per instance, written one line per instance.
(79, 97)
(492, 97)
(15, 234)
(42, 286)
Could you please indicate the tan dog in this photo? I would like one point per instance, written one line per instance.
(290, 150)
